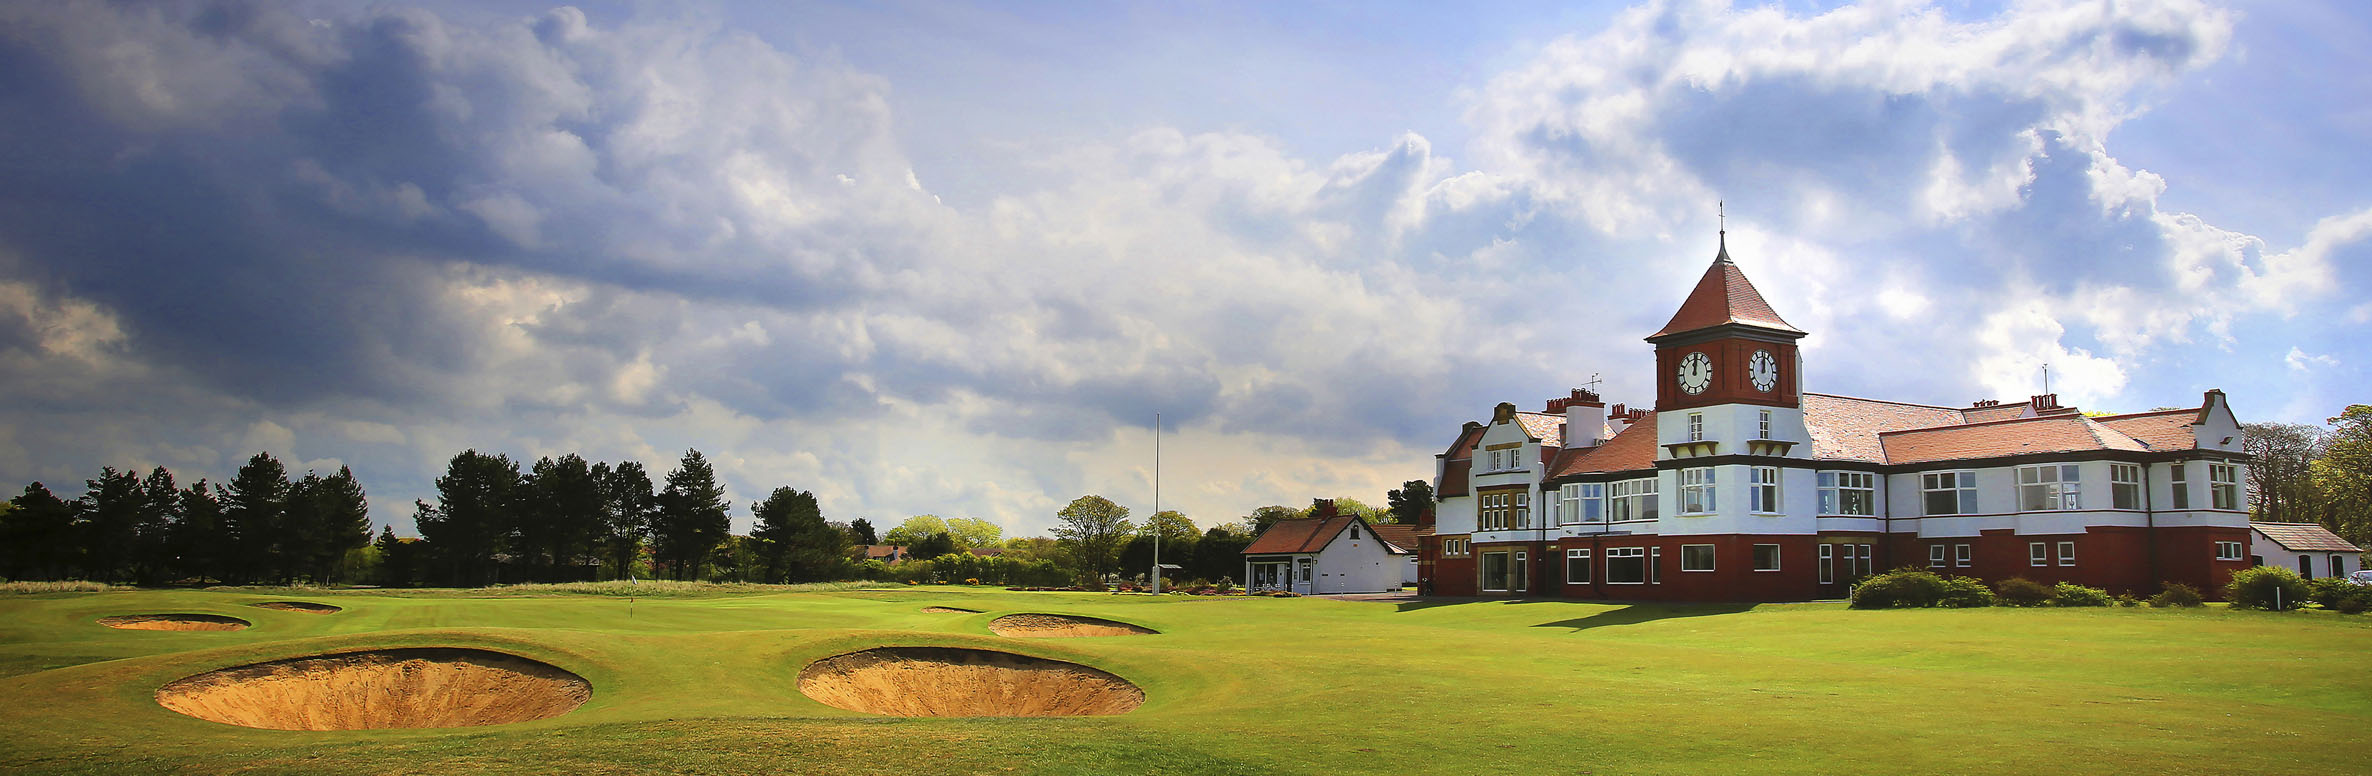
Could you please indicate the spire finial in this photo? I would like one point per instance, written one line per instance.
(1721, 212)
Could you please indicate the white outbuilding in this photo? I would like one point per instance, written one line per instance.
(1325, 555)
(2307, 548)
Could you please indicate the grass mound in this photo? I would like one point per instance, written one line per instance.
(389, 688)
(299, 606)
(948, 610)
(175, 622)
(958, 682)
(1057, 626)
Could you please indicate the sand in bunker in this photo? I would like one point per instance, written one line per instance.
(175, 622)
(1055, 626)
(948, 610)
(958, 682)
(298, 606)
(388, 688)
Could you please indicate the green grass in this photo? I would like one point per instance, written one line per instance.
(701, 681)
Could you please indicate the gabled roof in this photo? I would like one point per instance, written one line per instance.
(1846, 428)
(1632, 449)
(2047, 434)
(1311, 534)
(1548, 429)
(1995, 412)
(2304, 537)
(1398, 535)
(2162, 430)
(1723, 296)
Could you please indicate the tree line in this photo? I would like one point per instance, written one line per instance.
(568, 519)
(263, 527)
(2314, 474)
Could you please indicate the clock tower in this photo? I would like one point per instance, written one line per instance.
(1726, 346)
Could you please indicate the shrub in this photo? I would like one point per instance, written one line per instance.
(2265, 587)
(2327, 592)
(2072, 594)
(2178, 594)
(1965, 593)
(2356, 602)
(2127, 600)
(1899, 588)
(2020, 591)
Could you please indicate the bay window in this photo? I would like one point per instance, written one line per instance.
(2223, 486)
(1632, 500)
(1950, 493)
(2124, 486)
(1848, 493)
(2048, 487)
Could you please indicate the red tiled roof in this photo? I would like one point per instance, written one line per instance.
(1724, 296)
(1401, 536)
(1631, 450)
(2162, 430)
(1453, 478)
(1548, 429)
(1308, 534)
(1847, 428)
(2304, 537)
(2048, 434)
(1464, 447)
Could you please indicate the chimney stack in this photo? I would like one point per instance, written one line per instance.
(1585, 418)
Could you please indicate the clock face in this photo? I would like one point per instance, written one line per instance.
(1763, 370)
(1696, 373)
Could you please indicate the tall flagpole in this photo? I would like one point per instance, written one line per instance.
(1156, 504)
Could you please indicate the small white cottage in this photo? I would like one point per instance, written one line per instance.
(2307, 548)
(1325, 555)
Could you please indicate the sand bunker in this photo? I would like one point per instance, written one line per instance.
(175, 622)
(387, 688)
(957, 682)
(1056, 626)
(949, 610)
(299, 606)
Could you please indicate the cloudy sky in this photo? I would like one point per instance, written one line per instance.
(952, 259)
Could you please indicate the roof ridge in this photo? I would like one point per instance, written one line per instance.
(2188, 410)
(1882, 401)
(1983, 423)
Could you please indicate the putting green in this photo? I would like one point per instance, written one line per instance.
(688, 683)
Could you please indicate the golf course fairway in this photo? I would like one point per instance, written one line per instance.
(710, 682)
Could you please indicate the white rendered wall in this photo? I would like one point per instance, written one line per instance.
(1362, 565)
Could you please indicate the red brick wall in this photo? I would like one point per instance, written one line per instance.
(1450, 575)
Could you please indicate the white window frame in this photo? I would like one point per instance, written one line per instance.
(2038, 554)
(1496, 461)
(1625, 553)
(1482, 566)
(1586, 502)
(1523, 509)
(2229, 551)
(1685, 551)
(1962, 556)
(1633, 500)
(2124, 486)
(1935, 556)
(1756, 555)
(1865, 566)
(1698, 491)
(2067, 553)
(1763, 425)
(1655, 565)
(1836, 485)
(1962, 483)
(2050, 487)
(1828, 564)
(1762, 490)
(1696, 427)
(1577, 559)
(2178, 476)
(2223, 486)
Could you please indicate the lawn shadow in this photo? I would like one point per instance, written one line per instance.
(1639, 613)
(1429, 602)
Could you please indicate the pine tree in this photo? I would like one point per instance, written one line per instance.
(627, 510)
(39, 535)
(342, 520)
(563, 515)
(476, 508)
(110, 527)
(692, 516)
(252, 512)
(160, 508)
(196, 537)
